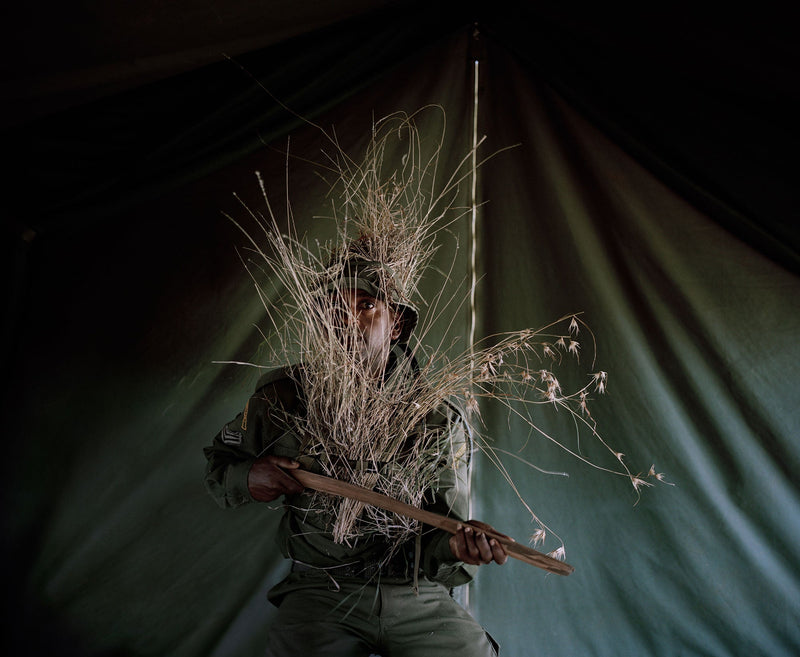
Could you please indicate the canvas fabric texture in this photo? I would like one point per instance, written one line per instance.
(648, 190)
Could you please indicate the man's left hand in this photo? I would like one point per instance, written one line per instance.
(472, 546)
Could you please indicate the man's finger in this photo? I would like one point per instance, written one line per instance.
(460, 546)
(472, 545)
(287, 481)
(284, 462)
(499, 553)
(485, 550)
(488, 528)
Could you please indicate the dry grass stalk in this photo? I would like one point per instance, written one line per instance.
(366, 430)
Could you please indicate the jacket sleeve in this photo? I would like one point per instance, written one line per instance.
(450, 498)
(239, 443)
(228, 464)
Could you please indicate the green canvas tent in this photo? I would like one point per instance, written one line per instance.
(643, 176)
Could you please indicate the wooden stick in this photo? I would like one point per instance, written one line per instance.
(343, 489)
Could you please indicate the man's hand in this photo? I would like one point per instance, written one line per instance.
(268, 481)
(472, 546)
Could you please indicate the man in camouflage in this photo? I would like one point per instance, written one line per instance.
(371, 596)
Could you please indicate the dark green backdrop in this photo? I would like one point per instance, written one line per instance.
(652, 189)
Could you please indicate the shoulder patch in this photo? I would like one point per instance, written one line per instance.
(460, 453)
(230, 437)
(244, 415)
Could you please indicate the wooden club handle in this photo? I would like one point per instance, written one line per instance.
(524, 553)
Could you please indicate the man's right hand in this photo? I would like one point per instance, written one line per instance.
(268, 481)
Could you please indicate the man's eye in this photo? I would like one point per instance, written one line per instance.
(366, 305)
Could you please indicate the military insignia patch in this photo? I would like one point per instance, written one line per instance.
(244, 415)
(230, 437)
(460, 454)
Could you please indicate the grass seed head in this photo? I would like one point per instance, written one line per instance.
(371, 430)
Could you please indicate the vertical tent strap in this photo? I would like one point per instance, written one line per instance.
(473, 268)
(473, 240)
(474, 212)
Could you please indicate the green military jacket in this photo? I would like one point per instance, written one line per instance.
(304, 535)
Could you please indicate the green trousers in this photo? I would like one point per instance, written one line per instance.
(361, 619)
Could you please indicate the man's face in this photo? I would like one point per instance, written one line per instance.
(375, 325)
